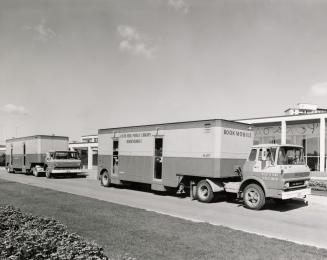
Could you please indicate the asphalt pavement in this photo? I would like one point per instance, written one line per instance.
(295, 221)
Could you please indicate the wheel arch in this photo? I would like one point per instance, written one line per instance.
(102, 171)
(253, 181)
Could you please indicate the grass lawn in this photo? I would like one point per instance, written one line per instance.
(148, 235)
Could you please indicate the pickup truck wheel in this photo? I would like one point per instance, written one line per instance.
(204, 192)
(35, 172)
(48, 173)
(254, 197)
(105, 179)
(10, 170)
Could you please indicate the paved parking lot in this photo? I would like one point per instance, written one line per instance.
(294, 221)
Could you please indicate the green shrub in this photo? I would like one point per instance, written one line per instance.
(318, 185)
(23, 236)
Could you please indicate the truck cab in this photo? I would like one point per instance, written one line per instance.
(62, 162)
(274, 171)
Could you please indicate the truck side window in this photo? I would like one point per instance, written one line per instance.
(253, 155)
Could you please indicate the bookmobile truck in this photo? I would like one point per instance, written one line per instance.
(39, 154)
(205, 158)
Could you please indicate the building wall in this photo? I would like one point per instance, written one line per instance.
(304, 134)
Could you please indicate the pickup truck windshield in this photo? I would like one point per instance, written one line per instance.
(66, 155)
(288, 155)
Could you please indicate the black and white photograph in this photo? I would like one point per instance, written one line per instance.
(163, 129)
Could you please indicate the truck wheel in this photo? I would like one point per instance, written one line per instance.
(254, 197)
(35, 172)
(48, 173)
(204, 192)
(105, 179)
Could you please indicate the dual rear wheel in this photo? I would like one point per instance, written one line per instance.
(35, 172)
(204, 192)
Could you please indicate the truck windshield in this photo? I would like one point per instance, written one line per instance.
(66, 155)
(288, 155)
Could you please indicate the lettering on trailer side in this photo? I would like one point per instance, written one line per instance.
(134, 138)
(235, 132)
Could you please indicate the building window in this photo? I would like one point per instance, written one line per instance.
(267, 135)
(306, 135)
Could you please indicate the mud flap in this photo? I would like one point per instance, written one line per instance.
(216, 186)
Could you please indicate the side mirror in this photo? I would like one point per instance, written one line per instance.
(264, 155)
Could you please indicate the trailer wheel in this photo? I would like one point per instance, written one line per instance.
(204, 192)
(35, 172)
(254, 197)
(48, 173)
(105, 179)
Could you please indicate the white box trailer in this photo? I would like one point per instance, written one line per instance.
(162, 154)
(205, 158)
(25, 153)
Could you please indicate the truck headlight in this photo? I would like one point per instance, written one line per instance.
(306, 183)
(286, 185)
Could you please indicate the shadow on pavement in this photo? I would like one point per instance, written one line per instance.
(281, 206)
(56, 176)
(285, 206)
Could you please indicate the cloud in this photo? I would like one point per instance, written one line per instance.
(41, 32)
(14, 110)
(135, 43)
(179, 5)
(129, 33)
(319, 89)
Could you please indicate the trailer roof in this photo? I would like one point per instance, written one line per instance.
(37, 137)
(275, 145)
(176, 125)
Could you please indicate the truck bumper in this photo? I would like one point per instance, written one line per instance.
(295, 194)
(66, 171)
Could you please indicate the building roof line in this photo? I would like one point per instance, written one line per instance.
(171, 123)
(283, 116)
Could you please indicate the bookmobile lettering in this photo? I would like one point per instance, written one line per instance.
(134, 138)
(236, 132)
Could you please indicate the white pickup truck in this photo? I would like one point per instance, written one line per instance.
(62, 162)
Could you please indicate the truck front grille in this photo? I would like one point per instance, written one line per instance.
(66, 168)
(296, 183)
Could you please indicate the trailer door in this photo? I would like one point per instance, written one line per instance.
(115, 157)
(24, 154)
(158, 143)
(11, 155)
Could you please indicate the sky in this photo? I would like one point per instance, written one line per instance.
(70, 67)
